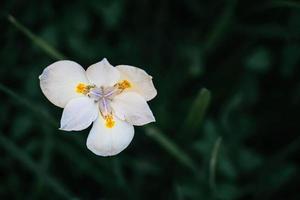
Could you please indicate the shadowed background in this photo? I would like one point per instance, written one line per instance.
(227, 109)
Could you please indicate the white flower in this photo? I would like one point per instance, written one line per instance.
(112, 98)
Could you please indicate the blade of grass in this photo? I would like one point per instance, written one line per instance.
(17, 153)
(220, 26)
(117, 169)
(121, 181)
(33, 107)
(48, 49)
(198, 110)
(44, 162)
(213, 164)
(83, 163)
(178, 192)
(171, 148)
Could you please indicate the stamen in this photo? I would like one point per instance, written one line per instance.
(109, 121)
(123, 85)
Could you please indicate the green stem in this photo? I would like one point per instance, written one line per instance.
(213, 164)
(36, 109)
(220, 26)
(45, 160)
(171, 148)
(198, 110)
(37, 40)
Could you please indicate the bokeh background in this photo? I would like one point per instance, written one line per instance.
(227, 109)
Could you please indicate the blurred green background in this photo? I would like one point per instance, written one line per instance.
(227, 109)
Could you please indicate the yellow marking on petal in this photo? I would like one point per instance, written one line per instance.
(124, 85)
(81, 88)
(109, 121)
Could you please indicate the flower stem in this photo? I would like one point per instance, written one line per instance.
(37, 40)
(171, 148)
(213, 164)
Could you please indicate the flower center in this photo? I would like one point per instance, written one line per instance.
(103, 97)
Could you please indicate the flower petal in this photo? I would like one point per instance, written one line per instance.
(104, 141)
(103, 74)
(141, 82)
(78, 114)
(58, 81)
(133, 108)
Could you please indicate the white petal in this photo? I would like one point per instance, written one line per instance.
(78, 114)
(141, 82)
(133, 108)
(104, 141)
(103, 74)
(59, 80)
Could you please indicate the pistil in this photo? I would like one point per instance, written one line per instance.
(103, 96)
